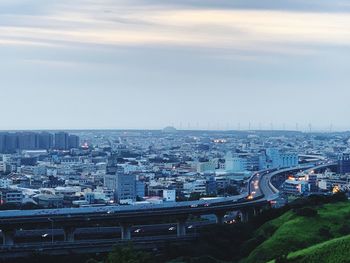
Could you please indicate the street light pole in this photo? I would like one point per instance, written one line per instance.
(51, 229)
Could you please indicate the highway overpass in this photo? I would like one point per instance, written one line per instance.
(260, 192)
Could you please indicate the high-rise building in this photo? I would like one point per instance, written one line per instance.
(123, 184)
(276, 159)
(262, 162)
(2, 142)
(273, 157)
(208, 166)
(140, 189)
(125, 187)
(27, 140)
(288, 159)
(312, 180)
(235, 164)
(45, 140)
(11, 142)
(211, 186)
(73, 141)
(253, 162)
(344, 163)
(61, 141)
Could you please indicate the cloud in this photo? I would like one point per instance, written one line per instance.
(219, 60)
(286, 5)
(107, 23)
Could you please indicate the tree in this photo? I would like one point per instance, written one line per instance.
(9, 206)
(228, 190)
(194, 196)
(127, 254)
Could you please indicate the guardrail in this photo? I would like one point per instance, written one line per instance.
(301, 167)
(273, 188)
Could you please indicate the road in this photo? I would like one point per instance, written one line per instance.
(132, 219)
(85, 247)
(95, 233)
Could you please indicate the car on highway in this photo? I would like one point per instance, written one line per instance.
(172, 228)
(194, 205)
(250, 197)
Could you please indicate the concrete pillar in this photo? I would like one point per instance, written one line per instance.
(181, 227)
(220, 218)
(8, 237)
(126, 231)
(69, 234)
(244, 216)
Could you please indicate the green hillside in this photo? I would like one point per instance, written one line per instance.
(292, 232)
(334, 251)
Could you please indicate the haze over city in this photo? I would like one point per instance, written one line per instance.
(190, 64)
(163, 131)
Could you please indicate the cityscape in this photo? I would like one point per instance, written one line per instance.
(213, 177)
(180, 131)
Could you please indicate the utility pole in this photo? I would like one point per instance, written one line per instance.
(52, 237)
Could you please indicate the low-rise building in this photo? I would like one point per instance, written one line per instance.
(11, 196)
(295, 187)
(49, 201)
(169, 195)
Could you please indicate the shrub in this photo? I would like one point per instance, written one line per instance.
(251, 244)
(325, 232)
(269, 230)
(306, 211)
(281, 259)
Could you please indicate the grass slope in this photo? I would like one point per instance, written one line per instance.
(333, 251)
(291, 232)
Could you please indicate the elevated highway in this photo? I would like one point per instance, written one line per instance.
(125, 216)
(266, 183)
(88, 246)
(261, 189)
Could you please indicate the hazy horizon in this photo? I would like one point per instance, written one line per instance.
(148, 64)
(178, 129)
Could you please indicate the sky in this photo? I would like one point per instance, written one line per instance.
(147, 64)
